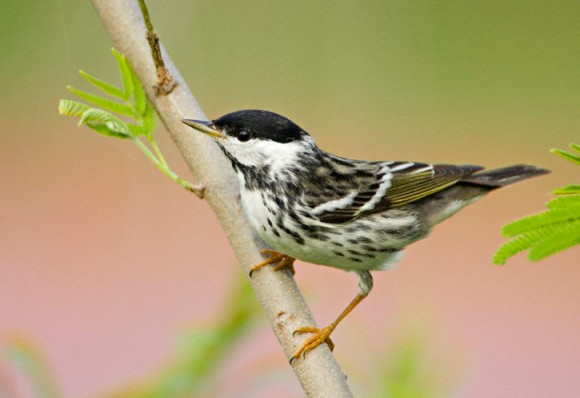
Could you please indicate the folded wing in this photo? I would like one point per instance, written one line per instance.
(376, 187)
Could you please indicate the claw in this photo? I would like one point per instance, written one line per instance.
(323, 335)
(283, 261)
(319, 336)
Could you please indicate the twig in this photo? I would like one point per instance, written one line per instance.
(165, 83)
(283, 303)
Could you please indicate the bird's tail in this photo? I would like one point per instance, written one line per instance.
(447, 202)
(498, 178)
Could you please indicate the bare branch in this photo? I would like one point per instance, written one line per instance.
(165, 83)
(283, 303)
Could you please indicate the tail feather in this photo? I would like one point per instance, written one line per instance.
(505, 176)
(447, 202)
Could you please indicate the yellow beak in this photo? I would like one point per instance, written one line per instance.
(204, 127)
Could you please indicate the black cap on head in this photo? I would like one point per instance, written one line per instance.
(261, 124)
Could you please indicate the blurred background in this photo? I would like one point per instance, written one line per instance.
(105, 263)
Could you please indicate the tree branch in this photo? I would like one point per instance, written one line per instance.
(165, 83)
(283, 303)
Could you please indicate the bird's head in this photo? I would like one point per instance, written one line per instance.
(255, 138)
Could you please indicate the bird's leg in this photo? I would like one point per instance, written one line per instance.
(323, 335)
(283, 261)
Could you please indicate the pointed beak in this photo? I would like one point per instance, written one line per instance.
(204, 127)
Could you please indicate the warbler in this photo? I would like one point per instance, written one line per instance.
(354, 215)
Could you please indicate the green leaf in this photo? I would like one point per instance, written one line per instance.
(516, 245)
(556, 242)
(107, 88)
(136, 130)
(105, 123)
(104, 103)
(135, 107)
(139, 99)
(149, 121)
(550, 231)
(99, 116)
(567, 190)
(564, 201)
(105, 130)
(126, 74)
(566, 155)
(71, 108)
(549, 217)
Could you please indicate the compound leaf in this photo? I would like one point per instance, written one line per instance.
(104, 123)
(139, 99)
(107, 88)
(567, 190)
(549, 217)
(567, 155)
(104, 103)
(562, 239)
(548, 232)
(126, 74)
(71, 108)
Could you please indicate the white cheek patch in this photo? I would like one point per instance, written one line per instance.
(280, 155)
(245, 153)
(259, 153)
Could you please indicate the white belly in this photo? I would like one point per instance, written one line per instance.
(336, 248)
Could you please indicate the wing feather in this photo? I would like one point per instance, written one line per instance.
(376, 187)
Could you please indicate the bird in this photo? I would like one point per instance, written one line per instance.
(354, 215)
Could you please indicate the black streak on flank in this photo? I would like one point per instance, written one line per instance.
(297, 238)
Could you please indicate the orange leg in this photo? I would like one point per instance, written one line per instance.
(283, 261)
(323, 335)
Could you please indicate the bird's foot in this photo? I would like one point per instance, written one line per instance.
(319, 336)
(283, 261)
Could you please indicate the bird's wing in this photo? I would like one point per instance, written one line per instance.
(376, 187)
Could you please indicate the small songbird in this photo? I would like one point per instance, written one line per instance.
(355, 215)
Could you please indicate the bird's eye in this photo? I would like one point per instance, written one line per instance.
(244, 135)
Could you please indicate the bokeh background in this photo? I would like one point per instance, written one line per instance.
(104, 262)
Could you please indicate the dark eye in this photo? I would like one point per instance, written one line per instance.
(244, 135)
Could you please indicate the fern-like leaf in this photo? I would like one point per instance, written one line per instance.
(567, 155)
(107, 130)
(107, 88)
(567, 190)
(561, 239)
(136, 130)
(139, 99)
(71, 108)
(126, 74)
(564, 202)
(104, 103)
(134, 106)
(522, 242)
(105, 123)
(548, 232)
(549, 217)
(149, 121)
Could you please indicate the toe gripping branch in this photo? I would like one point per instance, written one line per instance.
(283, 261)
(319, 335)
(322, 335)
